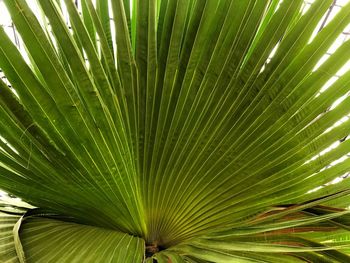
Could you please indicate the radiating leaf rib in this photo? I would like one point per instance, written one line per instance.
(92, 99)
(56, 90)
(153, 117)
(165, 83)
(310, 64)
(163, 40)
(127, 67)
(21, 90)
(203, 98)
(270, 10)
(9, 102)
(21, 133)
(106, 93)
(82, 148)
(223, 9)
(107, 55)
(146, 59)
(88, 21)
(102, 10)
(100, 76)
(179, 81)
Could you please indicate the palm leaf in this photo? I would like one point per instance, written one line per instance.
(175, 131)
